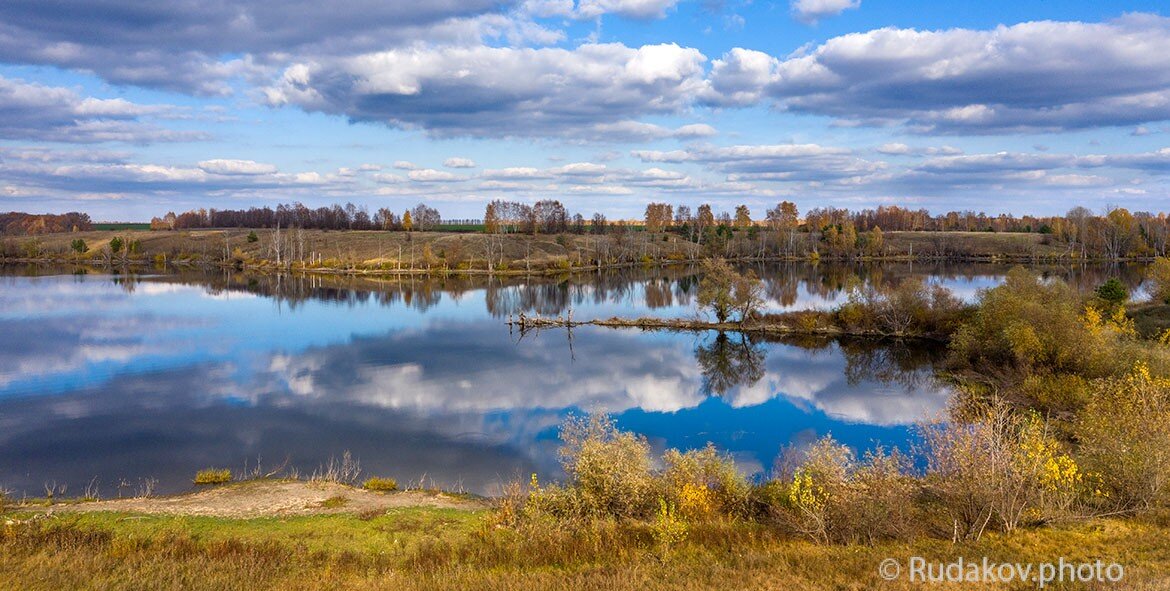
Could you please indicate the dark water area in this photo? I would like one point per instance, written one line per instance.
(115, 378)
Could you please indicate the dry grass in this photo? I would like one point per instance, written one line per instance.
(423, 550)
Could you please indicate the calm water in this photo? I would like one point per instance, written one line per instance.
(120, 377)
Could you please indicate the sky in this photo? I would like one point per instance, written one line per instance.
(128, 109)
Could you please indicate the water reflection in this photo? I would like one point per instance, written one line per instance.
(161, 375)
(730, 361)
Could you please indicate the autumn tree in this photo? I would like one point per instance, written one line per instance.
(425, 218)
(704, 219)
(743, 216)
(599, 225)
(658, 216)
(725, 292)
(407, 222)
(783, 217)
(491, 224)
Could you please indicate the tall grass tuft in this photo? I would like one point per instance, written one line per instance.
(213, 476)
(380, 484)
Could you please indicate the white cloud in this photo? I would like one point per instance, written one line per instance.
(459, 163)
(811, 11)
(31, 111)
(230, 167)
(502, 91)
(430, 175)
(1034, 76)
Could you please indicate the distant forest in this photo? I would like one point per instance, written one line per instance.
(15, 223)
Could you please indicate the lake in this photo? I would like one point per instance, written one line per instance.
(116, 378)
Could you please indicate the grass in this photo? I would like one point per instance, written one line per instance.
(213, 476)
(382, 484)
(425, 548)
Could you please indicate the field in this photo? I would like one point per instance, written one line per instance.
(120, 226)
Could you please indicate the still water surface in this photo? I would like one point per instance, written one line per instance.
(123, 377)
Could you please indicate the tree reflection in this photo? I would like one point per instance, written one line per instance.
(888, 362)
(727, 362)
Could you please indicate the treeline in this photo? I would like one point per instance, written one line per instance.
(297, 215)
(1117, 233)
(15, 223)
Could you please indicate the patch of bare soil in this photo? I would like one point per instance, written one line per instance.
(278, 498)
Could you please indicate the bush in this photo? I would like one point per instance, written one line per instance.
(116, 244)
(609, 469)
(703, 483)
(998, 471)
(213, 476)
(830, 496)
(78, 246)
(912, 308)
(1030, 324)
(252, 237)
(1159, 278)
(1124, 434)
(382, 484)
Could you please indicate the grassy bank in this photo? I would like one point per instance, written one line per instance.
(461, 252)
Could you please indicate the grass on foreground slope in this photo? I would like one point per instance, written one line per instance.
(427, 548)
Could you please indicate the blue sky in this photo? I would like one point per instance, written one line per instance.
(128, 110)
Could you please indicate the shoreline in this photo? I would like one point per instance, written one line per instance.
(767, 326)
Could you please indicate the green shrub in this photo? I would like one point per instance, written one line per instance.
(383, 484)
(116, 244)
(213, 476)
(1112, 292)
(78, 246)
(252, 237)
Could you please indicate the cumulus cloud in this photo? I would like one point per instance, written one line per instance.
(499, 91)
(1033, 76)
(459, 163)
(233, 167)
(430, 175)
(178, 44)
(811, 11)
(31, 111)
